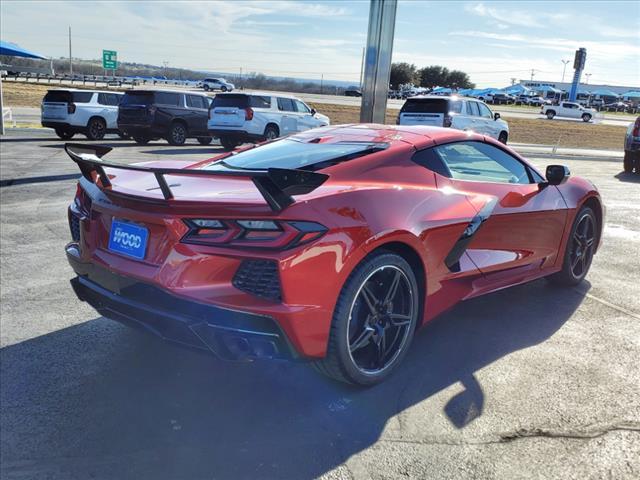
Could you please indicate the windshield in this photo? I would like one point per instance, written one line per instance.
(293, 154)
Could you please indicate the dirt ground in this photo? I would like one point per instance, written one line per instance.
(522, 130)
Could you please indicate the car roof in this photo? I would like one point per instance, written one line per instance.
(82, 90)
(441, 97)
(415, 135)
(261, 94)
(151, 90)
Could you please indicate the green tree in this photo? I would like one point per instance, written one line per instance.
(402, 73)
(433, 76)
(457, 79)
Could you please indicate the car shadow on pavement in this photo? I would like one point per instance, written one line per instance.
(628, 177)
(98, 400)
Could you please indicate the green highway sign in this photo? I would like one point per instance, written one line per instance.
(109, 59)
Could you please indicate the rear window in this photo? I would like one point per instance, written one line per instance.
(137, 98)
(231, 100)
(258, 101)
(294, 154)
(167, 98)
(432, 105)
(66, 96)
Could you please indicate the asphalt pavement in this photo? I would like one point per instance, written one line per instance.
(530, 382)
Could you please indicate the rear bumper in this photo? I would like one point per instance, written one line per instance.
(229, 334)
(235, 133)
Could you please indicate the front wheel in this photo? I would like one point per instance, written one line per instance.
(271, 132)
(228, 143)
(551, 114)
(177, 134)
(96, 129)
(141, 140)
(580, 249)
(503, 137)
(373, 322)
(586, 117)
(204, 140)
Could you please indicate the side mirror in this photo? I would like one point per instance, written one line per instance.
(557, 174)
(313, 111)
(496, 116)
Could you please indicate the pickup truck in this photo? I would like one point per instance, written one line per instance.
(568, 110)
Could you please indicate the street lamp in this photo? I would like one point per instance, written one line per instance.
(564, 69)
(587, 75)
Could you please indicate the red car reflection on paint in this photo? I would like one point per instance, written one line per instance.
(332, 245)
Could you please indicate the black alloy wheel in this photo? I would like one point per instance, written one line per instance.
(177, 134)
(96, 129)
(64, 134)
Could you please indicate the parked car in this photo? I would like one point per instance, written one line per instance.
(174, 115)
(616, 107)
(332, 246)
(353, 92)
(568, 110)
(236, 118)
(456, 112)
(502, 99)
(91, 112)
(221, 84)
(632, 148)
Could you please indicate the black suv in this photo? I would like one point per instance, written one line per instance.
(152, 114)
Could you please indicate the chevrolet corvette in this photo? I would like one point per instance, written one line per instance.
(331, 246)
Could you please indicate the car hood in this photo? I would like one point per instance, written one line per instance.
(322, 117)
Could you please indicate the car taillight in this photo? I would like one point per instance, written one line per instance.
(82, 200)
(448, 120)
(279, 235)
(636, 128)
(71, 108)
(248, 113)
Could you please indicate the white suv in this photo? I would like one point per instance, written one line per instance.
(70, 111)
(569, 110)
(244, 117)
(455, 112)
(217, 84)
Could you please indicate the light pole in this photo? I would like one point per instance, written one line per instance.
(587, 75)
(564, 69)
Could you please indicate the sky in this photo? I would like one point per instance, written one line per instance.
(492, 41)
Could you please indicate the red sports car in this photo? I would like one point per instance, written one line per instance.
(332, 245)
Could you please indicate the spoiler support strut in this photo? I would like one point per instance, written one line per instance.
(276, 185)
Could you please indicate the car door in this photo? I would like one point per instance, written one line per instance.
(197, 115)
(288, 116)
(521, 223)
(305, 120)
(490, 126)
(477, 123)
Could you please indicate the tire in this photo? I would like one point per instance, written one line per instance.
(586, 117)
(123, 136)
(224, 89)
(96, 128)
(271, 132)
(628, 162)
(503, 137)
(206, 88)
(141, 140)
(228, 143)
(177, 134)
(579, 251)
(357, 334)
(550, 114)
(64, 134)
(204, 140)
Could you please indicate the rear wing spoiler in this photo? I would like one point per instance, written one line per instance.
(276, 185)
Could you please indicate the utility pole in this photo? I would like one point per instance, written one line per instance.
(70, 64)
(513, 80)
(165, 63)
(587, 75)
(362, 68)
(533, 73)
(321, 82)
(564, 69)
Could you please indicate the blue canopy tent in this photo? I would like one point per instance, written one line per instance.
(517, 90)
(442, 90)
(467, 92)
(632, 95)
(12, 50)
(604, 92)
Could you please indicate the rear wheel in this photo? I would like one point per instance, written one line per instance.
(503, 137)
(206, 87)
(64, 134)
(223, 88)
(177, 134)
(141, 140)
(96, 128)
(123, 136)
(628, 162)
(551, 114)
(586, 117)
(228, 143)
(579, 251)
(271, 132)
(204, 140)
(373, 322)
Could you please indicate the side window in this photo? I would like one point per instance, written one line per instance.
(429, 159)
(167, 98)
(286, 105)
(116, 99)
(473, 109)
(484, 111)
(301, 107)
(82, 97)
(195, 101)
(455, 106)
(482, 162)
(259, 101)
(102, 99)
